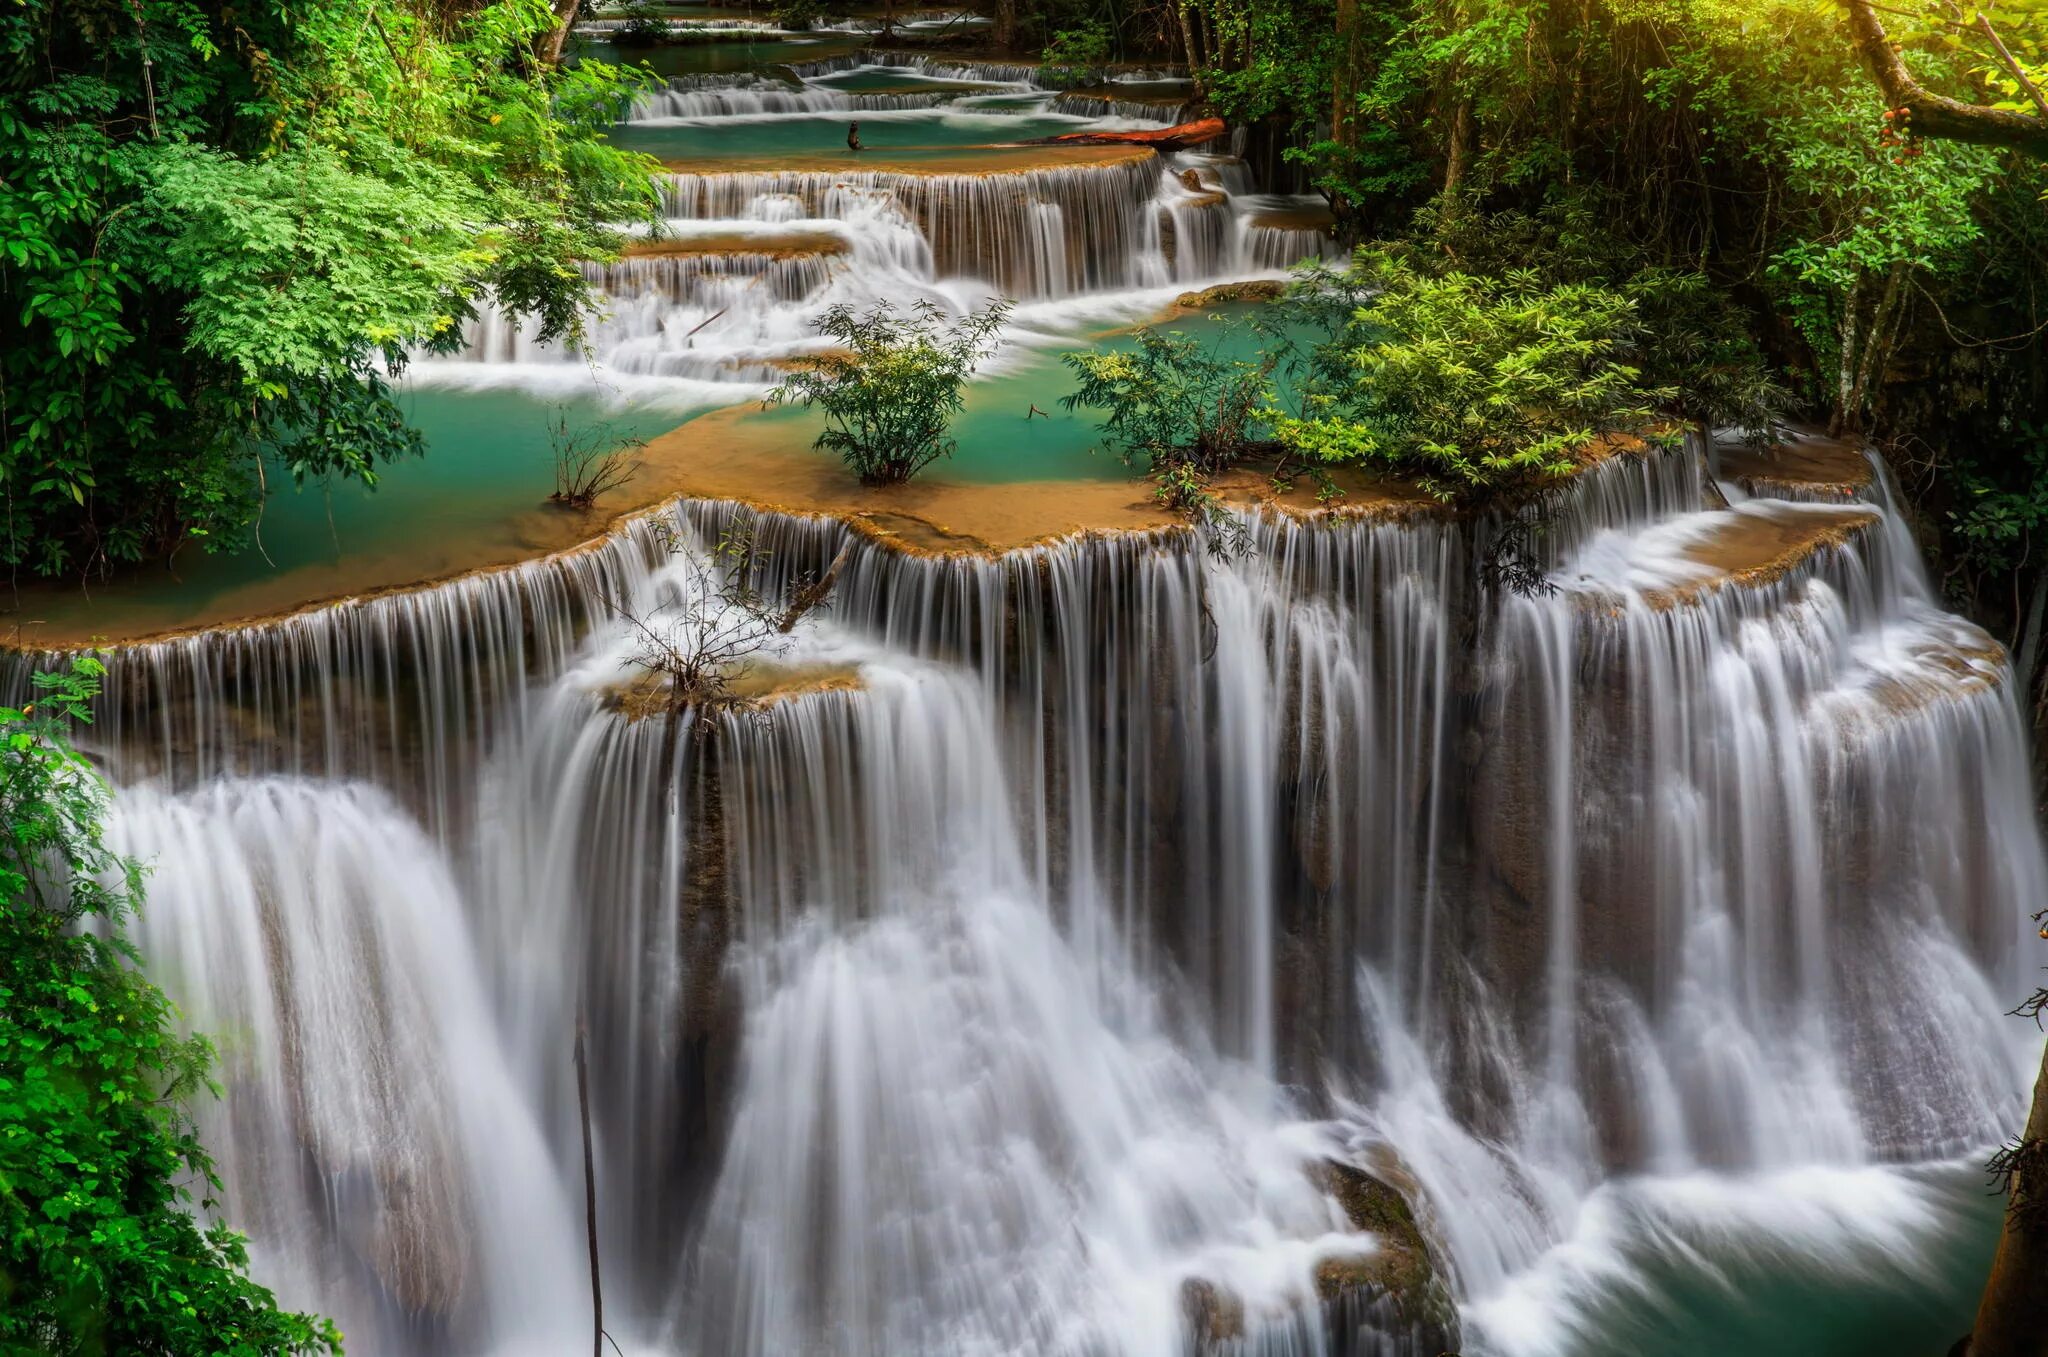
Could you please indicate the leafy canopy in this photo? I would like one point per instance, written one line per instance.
(222, 225)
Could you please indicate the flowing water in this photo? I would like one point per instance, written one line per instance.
(1009, 977)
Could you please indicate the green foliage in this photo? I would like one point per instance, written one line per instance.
(645, 25)
(1996, 519)
(1075, 54)
(1698, 348)
(798, 16)
(1182, 410)
(1479, 387)
(890, 385)
(222, 225)
(98, 1250)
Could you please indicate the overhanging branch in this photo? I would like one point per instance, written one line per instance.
(1937, 115)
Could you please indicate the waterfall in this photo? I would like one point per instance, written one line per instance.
(1009, 976)
(372, 1136)
(749, 95)
(949, 225)
(978, 224)
(1076, 104)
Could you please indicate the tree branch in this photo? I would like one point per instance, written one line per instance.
(1937, 115)
(2012, 67)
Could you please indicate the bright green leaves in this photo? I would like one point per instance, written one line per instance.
(1473, 386)
(98, 1249)
(1173, 404)
(212, 269)
(296, 261)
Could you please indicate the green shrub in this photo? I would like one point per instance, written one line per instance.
(1181, 410)
(891, 384)
(797, 16)
(99, 1252)
(1075, 55)
(1481, 389)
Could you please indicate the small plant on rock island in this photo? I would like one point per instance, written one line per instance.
(1174, 403)
(1182, 410)
(891, 383)
(589, 461)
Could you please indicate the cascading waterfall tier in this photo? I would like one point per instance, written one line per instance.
(1043, 231)
(954, 227)
(976, 991)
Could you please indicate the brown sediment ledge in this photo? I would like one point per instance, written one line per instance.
(1752, 549)
(775, 245)
(1251, 290)
(758, 684)
(727, 455)
(963, 162)
(1965, 662)
(1293, 219)
(1805, 461)
(758, 463)
(132, 609)
(734, 455)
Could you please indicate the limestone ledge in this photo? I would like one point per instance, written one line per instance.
(1751, 550)
(972, 162)
(729, 456)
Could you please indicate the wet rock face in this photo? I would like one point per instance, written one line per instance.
(1389, 1302)
(1393, 1293)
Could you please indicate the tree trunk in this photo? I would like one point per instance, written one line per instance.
(1005, 27)
(552, 42)
(2026, 655)
(2012, 1318)
(1459, 155)
(1187, 44)
(1847, 338)
(1344, 78)
(1870, 362)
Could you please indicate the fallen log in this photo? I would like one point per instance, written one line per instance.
(1177, 138)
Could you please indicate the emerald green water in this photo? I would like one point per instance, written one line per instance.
(1702, 1268)
(479, 494)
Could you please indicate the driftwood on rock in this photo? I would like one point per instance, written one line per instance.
(1176, 138)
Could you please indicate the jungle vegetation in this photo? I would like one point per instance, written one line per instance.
(224, 226)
